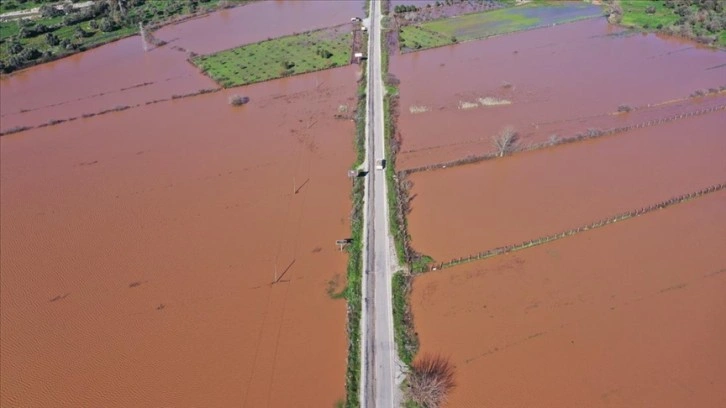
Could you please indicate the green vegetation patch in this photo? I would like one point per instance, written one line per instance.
(704, 21)
(488, 23)
(416, 38)
(61, 32)
(7, 6)
(354, 288)
(647, 14)
(279, 57)
(406, 341)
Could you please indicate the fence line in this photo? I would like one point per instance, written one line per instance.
(597, 224)
(590, 134)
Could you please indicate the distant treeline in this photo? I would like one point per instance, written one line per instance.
(62, 29)
(700, 20)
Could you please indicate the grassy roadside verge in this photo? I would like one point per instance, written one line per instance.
(279, 57)
(354, 289)
(404, 334)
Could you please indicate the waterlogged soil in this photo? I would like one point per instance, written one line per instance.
(122, 74)
(139, 247)
(117, 74)
(627, 315)
(467, 209)
(559, 81)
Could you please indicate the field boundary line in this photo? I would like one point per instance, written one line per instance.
(589, 135)
(564, 234)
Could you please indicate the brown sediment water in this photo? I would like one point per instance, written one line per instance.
(468, 209)
(117, 74)
(139, 247)
(121, 73)
(560, 80)
(258, 21)
(624, 316)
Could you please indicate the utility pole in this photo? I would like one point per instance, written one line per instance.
(144, 41)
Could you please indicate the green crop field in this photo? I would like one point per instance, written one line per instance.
(279, 57)
(415, 37)
(481, 25)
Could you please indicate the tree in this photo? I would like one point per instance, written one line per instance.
(79, 33)
(505, 142)
(52, 39)
(49, 11)
(107, 25)
(15, 47)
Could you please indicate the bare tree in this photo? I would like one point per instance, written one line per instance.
(430, 380)
(506, 141)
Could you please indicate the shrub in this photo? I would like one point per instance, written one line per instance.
(430, 380)
(624, 108)
(238, 100)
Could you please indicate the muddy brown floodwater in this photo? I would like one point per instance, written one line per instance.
(122, 74)
(259, 21)
(630, 315)
(139, 247)
(468, 209)
(560, 80)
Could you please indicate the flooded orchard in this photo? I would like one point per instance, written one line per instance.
(139, 248)
(628, 315)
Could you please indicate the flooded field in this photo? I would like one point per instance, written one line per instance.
(627, 315)
(561, 83)
(139, 247)
(253, 22)
(467, 209)
(122, 74)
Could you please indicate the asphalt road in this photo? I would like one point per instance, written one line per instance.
(379, 371)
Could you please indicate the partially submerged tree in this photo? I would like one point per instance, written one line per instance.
(430, 380)
(506, 141)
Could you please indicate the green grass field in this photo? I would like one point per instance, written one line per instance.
(279, 57)
(634, 14)
(415, 37)
(488, 23)
(666, 19)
